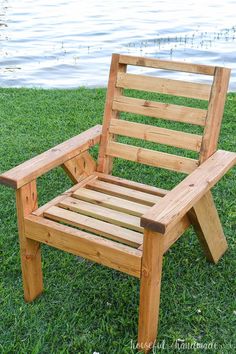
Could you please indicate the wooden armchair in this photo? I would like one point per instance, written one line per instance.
(122, 224)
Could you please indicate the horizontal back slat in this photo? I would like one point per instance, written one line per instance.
(160, 110)
(166, 86)
(151, 157)
(157, 135)
(167, 65)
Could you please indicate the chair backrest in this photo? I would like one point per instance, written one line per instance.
(209, 119)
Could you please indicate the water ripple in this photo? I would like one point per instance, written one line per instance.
(69, 43)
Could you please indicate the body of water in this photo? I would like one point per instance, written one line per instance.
(67, 44)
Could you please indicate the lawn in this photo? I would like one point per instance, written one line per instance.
(86, 307)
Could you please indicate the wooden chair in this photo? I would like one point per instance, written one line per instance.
(122, 224)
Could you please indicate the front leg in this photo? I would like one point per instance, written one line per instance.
(150, 289)
(26, 202)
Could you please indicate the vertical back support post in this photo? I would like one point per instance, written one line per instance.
(215, 113)
(153, 248)
(26, 202)
(105, 162)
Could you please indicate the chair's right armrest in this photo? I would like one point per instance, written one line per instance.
(167, 212)
(38, 165)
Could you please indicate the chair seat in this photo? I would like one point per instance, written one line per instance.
(99, 219)
(105, 205)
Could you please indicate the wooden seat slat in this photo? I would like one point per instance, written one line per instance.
(110, 201)
(124, 192)
(99, 212)
(114, 232)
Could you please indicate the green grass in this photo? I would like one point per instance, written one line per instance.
(88, 308)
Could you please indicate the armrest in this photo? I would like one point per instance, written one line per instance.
(38, 165)
(175, 204)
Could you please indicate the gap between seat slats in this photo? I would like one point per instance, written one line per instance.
(102, 213)
(114, 232)
(110, 201)
(116, 218)
(124, 192)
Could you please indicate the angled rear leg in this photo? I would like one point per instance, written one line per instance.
(205, 219)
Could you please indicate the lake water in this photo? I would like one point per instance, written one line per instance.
(67, 44)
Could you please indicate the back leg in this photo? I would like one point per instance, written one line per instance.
(205, 219)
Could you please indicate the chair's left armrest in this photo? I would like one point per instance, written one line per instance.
(165, 214)
(38, 165)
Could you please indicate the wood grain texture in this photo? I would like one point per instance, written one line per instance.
(99, 212)
(215, 113)
(167, 64)
(166, 86)
(110, 201)
(174, 234)
(38, 165)
(67, 193)
(160, 110)
(80, 166)
(124, 192)
(170, 209)
(104, 161)
(150, 287)
(26, 202)
(101, 228)
(103, 251)
(156, 135)
(152, 157)
(205, 220)
(131, 184)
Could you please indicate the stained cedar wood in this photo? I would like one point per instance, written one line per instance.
(160, 110)
(152, 157)
(150, 287)
(99, 212)
(106, 200)
(104, 161)
(131, 184)
(38, 165)
(101, 228)
(175, 233)
(80, 166)
(67, 193)
(193, 193)
(167, 65)
(166, 86)
(123, 192)
(215, 113)
(207, 224)
(26, 202)
(98, 249)
(156, 134)
(170, 209)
